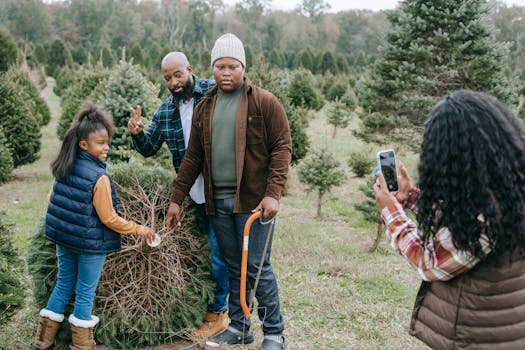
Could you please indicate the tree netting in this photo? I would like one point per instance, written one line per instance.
(146, 296)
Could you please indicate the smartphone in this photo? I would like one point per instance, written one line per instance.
(387, 164)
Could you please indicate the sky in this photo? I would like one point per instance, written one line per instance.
(340, 5)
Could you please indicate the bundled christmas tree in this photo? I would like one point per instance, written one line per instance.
(146, 296)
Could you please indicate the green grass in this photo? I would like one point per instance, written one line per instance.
(335, 295)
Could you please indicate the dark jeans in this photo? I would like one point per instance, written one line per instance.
(219, 270)
(229, 228)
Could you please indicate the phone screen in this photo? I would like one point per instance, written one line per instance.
(387, 161)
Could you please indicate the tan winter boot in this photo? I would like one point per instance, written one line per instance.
(82, 333)
(213, 324)
(47, 329)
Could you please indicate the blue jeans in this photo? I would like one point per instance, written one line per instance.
(229, 228)
(79, 273)
(219, 271)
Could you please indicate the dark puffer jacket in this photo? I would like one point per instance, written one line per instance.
(483, 309)
(71, 218)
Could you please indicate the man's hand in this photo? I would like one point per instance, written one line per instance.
(270, 207)
(173, 216)
(135, 125)
(384, 198)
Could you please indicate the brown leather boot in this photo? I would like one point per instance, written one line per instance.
(47, 329)
(82, 333)
(213, 324)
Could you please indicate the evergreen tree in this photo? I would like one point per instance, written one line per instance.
(328, 63)
(306, 60)
(58, 56)
(435, 47)
(38, 105)
(341, 63)
(153, 58)
(298, 120)
(80, 55)
(302, 91)
(8, 51)
(361, 60)
(320, 171)
(137, 54)
(11, 272)
(21, 128)
(85, 85)
(106, 57)
(275, 59)
(338, 116)
(249, 55)
(65, 78)
(337, 89)
(28, 19)
(6, 160)
(40, 54)
(262, 75)
(127, 87)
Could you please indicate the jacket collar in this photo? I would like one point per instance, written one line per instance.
(84, 155)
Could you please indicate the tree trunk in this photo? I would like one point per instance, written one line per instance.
(319, 200)
(335, 131)
(375, 244)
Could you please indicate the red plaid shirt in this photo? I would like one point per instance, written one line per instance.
(435, 259)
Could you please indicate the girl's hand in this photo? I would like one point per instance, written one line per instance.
(384, 198)
(149, 235)
(405, 185)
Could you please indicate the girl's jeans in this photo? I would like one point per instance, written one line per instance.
(79, 273)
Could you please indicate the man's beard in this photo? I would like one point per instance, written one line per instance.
(185, 94)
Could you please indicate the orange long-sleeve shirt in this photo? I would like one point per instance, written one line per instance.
(103, 204)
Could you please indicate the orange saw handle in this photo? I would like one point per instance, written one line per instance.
(244, 262)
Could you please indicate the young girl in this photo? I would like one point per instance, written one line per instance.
(82, 220)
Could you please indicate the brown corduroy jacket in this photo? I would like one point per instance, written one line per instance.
(263, 149)
(483, 309)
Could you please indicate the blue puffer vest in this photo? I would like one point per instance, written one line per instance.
(71, 219)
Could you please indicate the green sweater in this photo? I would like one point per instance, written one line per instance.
(223, 145)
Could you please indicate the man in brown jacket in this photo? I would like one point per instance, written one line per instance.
(245, 169)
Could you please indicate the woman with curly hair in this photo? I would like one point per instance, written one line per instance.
(469, 243)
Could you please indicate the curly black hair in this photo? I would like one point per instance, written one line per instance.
(472, 162)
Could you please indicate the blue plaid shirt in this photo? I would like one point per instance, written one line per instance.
(166, 126)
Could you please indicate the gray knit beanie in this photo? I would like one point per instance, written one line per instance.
(228, 45)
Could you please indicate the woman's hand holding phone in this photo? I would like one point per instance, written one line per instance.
(384, 198)
(405, 185)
